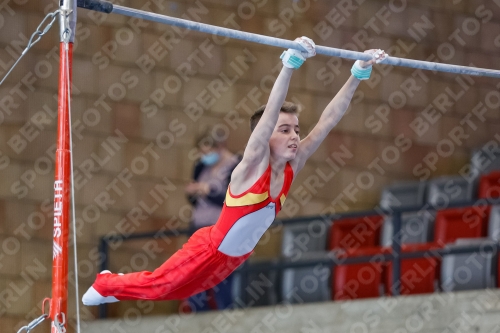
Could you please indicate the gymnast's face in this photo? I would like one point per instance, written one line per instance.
(285, 140)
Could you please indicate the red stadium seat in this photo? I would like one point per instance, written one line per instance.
(357, 236)
(469, 222)
(489, 185)
(352, 233)
(357, 281)
(417, 276)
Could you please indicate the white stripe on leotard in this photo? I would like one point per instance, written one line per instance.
(246, 232)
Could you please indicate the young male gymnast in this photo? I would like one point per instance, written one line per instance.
(258, 188)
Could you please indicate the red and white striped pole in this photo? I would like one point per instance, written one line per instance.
(62, 190)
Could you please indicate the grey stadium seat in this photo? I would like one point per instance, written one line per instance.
(485, 159)
(494, 223)
(449, 189)
(304, 238)
(403, 195)
(308, 284)
(469, 271)
(303, 242)
(255, 288)
(260, 288)
(416, 227)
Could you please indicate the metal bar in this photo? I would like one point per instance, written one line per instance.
(396, 253)
(104, 253)
(283, 43)
(304, 219)
(244, 282)
(331, 260)
(96, 5)
(62, 178)
(62, 192)
(67, 20)
(284, 264)
(454, 249)
(155, 234)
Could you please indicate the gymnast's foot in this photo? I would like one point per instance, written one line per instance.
(92, 296)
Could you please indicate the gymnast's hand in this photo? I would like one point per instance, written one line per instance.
(361, 70)
(377, 56)
(308, 44)
(294, 58)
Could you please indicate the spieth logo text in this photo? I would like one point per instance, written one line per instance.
(58, 207)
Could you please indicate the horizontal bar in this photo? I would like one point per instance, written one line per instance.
(284, 43)
(95, 5)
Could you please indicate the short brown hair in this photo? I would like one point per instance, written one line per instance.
(287, 107)
(211, 137)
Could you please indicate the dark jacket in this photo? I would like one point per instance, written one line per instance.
(215, 198)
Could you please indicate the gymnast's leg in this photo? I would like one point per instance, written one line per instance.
(197, 255)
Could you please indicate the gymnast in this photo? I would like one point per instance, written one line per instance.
(258, 188)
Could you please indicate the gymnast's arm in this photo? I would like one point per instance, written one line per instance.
(256, 154)
(332, 114)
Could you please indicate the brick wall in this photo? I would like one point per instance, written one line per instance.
(143, 92)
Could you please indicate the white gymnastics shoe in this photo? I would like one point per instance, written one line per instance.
(92, 296)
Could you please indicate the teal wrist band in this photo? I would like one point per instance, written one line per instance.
(291, 59)
(359, 72)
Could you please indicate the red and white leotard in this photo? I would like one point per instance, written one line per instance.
(211, 254)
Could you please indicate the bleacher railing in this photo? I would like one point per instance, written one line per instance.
(334, 257)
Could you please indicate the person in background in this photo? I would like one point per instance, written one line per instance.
(206, 192)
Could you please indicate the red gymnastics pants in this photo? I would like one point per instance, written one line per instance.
(196, 267)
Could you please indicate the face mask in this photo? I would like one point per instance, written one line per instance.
(210, 158)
